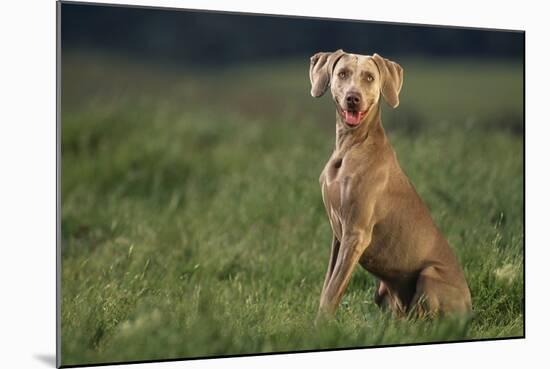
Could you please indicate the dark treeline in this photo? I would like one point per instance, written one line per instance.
(208, 38)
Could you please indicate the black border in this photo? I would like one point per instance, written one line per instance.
(59, 3)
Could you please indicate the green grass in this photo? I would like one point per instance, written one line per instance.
(192, 220)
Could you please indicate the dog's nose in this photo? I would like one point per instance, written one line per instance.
(353, 98)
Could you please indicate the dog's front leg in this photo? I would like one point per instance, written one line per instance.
(352, 247)
(335, 247)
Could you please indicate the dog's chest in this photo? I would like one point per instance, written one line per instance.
(333, 180)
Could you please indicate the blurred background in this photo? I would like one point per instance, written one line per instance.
(197, 37)
(192, 221)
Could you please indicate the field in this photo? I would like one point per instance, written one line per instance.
(192, 220)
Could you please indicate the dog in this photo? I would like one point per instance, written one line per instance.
(377, 218)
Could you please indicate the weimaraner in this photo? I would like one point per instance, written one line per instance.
(377, 218)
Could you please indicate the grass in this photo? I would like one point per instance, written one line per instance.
(192, 220)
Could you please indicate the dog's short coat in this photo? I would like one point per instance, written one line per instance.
(377, 218)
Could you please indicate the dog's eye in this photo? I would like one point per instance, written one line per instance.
(342, 75)
(370, 78)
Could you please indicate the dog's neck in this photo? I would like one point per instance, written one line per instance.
(367, 131)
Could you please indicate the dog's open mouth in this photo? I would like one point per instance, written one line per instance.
(352, 118)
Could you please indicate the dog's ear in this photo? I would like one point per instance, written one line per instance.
(391, 75)
(320, 71)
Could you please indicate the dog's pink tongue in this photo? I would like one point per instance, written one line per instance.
(352, 117)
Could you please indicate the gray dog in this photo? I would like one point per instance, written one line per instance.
(377, 218)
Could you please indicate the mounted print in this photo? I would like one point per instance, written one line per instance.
(242, 184)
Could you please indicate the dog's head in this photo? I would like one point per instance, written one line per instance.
(356, 82)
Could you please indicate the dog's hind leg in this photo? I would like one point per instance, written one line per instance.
(381, 296)
(435, 297)
(425, 303)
